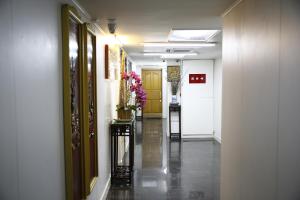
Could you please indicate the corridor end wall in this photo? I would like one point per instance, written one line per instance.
(197, 100)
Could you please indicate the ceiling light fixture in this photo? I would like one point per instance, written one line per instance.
(177, 44)
(185, 35)
(160, 54)
(170, 55)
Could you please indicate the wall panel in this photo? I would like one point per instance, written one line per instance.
(8, 131)
(218, 74)
(250, 101)
(232, 105)
(289, 105)
(259, 53)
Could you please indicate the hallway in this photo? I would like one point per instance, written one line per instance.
(224, 75)
(171, 169)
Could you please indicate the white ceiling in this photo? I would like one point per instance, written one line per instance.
(151, 20)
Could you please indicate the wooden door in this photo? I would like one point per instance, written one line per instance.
(152, 84)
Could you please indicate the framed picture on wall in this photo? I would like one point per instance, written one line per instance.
(80, 105)
(173, 73)
(90, 110)
(113, 62)
(106, 62)
(72, 88)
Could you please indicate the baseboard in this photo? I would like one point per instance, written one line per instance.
(106, 189)
(218, 139)
(198, 136)
(152, 115)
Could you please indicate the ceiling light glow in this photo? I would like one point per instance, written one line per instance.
(191, 35)
(178, 44)
(170, 55)
(116, 40)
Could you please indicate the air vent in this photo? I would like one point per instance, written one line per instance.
(178, 50)
(181, 50)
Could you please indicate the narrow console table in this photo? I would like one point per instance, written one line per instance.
(175, 108)
(122, 152)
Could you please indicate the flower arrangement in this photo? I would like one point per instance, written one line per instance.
(174, 76)
(133, 90)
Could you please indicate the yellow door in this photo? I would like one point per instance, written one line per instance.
(152, 85)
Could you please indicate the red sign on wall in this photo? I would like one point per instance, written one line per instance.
(197, 78)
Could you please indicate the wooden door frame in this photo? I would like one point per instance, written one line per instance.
(161, 89)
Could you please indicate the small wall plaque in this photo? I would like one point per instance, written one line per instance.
(197, 78)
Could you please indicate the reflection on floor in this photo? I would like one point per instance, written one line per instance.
(171, 169)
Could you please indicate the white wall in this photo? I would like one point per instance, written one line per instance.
(261, 101)
(218, 69)
(197, 100)
(106, 105)
(289, 102)
(32, 161)
(31, 103)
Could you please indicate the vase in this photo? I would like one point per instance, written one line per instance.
(125, 114)
(174, 98)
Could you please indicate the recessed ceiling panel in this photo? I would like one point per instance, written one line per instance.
(181, 35)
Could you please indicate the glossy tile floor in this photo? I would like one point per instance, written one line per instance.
(167, 169)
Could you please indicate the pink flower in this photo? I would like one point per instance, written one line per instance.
(137, 79)
(135, 85)
(133, 75)
(132, 88)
